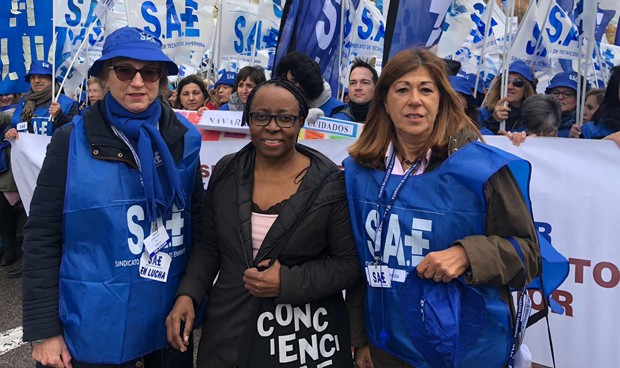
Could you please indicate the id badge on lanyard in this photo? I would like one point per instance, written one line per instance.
(154, 264)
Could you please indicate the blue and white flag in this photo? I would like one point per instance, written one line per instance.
(465, 31)
(313, 28)
(248, 34)
(363, 38)
(413, 25)
(26, 36)
(72, 21)
(185, 27)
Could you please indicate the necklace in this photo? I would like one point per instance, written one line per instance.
(408, 163)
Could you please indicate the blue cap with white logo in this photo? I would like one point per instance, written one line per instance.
(133, 43)
(39, 68)
(228, 78)
(564, 79)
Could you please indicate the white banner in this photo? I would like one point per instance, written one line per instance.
(576, 202)
(27, 154)
(185, 27)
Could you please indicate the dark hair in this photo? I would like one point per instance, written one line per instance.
(189, 80)
(541, 114)
(609, 112)
(359, 63)
(256, 74)
(305, 71)
(297, 92)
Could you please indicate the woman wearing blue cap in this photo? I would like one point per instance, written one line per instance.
(111, 218)
(441, 227)
(224, 86)
(521, 85)
(563, 86)
(247, 78)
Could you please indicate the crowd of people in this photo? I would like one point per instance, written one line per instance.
(120, 274)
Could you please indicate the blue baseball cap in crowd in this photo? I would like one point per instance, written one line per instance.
(39, 68)
(521, 67)
(133, 43)
(228, 78)
(564, 79)
(461, 85)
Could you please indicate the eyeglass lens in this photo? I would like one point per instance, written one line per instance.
(282, 120)
(566, 94)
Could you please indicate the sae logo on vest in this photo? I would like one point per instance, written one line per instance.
(139, 228)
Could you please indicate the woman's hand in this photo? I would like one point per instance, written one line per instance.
(183, 311)
(52, 352)
(444, 265)
(200, 110)
(501, 109)
(516, 137)
(362, 357)
(575, 131)
(11, 134)
(614, 137)
(263, 284)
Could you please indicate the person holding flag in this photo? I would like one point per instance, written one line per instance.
(521, 85)
(37, 112)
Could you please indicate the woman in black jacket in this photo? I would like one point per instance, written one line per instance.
(277, 231)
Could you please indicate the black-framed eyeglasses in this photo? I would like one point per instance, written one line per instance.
(566, 94)
(126, 73)
(517, 82)
(282, 120)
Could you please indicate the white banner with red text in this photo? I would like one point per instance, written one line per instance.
(576, 201)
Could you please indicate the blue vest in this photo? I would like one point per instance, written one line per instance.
(40, 121)
(431, 212)
(109, 313)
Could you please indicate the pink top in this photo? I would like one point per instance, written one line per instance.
(261, 223)
(398, 168)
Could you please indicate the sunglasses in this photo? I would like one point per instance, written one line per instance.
(517, 82)
(566, 94)
(126, 73)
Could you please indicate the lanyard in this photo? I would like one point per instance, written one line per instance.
(390, 204)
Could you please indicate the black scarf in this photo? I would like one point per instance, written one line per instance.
(359, 112)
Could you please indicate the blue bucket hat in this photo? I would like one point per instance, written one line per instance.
(461, 85)
(444, 320)
(133, 43)
(228, 78)
(39, 68)
(564, 79)
(521, 67)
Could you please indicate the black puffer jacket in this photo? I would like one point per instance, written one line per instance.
(319, 260)
(43, 237)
